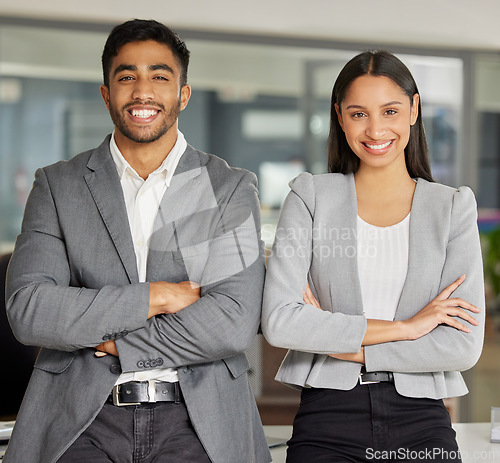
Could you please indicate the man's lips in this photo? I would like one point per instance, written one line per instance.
(142, 114)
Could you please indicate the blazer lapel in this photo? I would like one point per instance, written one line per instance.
(339, 238)
(104, 185)
(416, 277)
(348, 223)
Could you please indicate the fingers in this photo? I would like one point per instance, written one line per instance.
(459, 308)
(453, 322)
(448, 291)
(457, 302)
(309, 298)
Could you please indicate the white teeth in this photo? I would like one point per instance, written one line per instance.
(145, 113)
(378, 147)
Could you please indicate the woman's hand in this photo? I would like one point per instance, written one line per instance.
(309, 298)
(441, 310)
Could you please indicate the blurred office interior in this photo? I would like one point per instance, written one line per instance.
(261, 101)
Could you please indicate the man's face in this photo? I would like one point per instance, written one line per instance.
(144, 95)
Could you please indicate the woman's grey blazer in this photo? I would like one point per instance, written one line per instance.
(316, 242)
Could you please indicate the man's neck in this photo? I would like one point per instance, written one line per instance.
(145, 158)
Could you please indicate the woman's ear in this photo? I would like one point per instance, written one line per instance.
(339, 116)
(414, 109)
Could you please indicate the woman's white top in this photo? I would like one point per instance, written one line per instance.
(382, 266)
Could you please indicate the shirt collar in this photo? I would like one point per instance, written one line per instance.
(168, 165)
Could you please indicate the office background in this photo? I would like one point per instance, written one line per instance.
(262, 73)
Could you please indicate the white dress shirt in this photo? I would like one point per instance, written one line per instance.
(142, 200)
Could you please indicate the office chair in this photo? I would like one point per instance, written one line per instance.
(16, 359)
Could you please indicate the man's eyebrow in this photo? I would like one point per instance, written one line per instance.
(124, 67)
(161, 67)
(151, 67)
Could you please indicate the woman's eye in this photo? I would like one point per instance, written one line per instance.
(358, 115)
(390, 112)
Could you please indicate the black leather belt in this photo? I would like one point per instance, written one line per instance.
(139, 392)
(375, 377)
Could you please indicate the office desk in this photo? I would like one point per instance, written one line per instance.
(473, 440)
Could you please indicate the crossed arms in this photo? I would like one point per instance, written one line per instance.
(185, 325)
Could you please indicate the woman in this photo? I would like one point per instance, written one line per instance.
(394, 262)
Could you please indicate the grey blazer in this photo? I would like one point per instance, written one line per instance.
(316, 242)
(73, 283)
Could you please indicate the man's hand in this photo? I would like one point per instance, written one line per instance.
(105, 348)
(165, 297)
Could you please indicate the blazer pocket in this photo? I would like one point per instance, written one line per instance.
(194, 250)
(54, 361)
(237, 365)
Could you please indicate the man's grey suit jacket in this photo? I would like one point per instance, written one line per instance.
(73, 283)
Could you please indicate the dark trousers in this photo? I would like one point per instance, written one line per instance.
(159, 432)
(370, 423)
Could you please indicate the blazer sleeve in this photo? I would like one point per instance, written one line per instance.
(445, 348)
(286, 320)
(42, 306)
(225, 320)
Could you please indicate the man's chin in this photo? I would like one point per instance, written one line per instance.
(143, 138)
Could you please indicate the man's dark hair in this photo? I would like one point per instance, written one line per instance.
(341, 158)
(139, 30)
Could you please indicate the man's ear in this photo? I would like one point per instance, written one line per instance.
(185, 96)
(105, 95)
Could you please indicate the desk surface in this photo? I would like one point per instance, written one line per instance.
(473, 440)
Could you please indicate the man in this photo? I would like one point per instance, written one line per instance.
(139, 271)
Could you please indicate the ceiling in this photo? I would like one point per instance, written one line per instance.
(454, 24)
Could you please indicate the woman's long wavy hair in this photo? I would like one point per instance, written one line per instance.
(341, 158)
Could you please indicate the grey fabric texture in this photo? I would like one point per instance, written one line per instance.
(316, 242)
(73, 283)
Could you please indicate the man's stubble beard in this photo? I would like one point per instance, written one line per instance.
(144, 136)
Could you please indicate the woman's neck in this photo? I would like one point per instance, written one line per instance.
(384, 196)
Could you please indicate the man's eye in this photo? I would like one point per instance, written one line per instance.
(124, 78)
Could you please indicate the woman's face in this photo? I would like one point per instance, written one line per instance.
(376, 116)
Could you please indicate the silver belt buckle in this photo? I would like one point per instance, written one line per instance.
(116, 398)
(362, 382)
